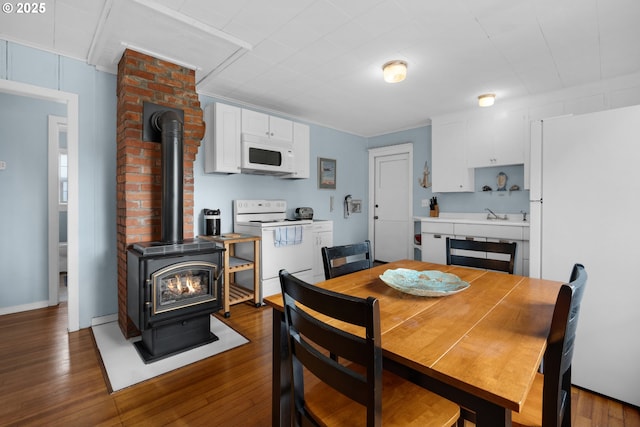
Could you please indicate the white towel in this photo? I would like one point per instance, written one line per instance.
(287, 236)
(298, 235)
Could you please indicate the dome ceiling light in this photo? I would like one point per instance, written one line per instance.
(486, 100)
(394, 71)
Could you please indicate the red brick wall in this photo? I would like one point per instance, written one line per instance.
(144, 78)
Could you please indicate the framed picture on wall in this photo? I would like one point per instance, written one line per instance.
(326, 173)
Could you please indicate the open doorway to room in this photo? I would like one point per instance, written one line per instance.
(42, 239)
(58, 196)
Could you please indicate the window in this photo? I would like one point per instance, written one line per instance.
(63, 180)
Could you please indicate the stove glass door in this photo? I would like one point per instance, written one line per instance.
(183, 284)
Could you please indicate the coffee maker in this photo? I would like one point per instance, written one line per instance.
(211, 222)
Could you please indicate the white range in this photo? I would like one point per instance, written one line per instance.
(286, 243)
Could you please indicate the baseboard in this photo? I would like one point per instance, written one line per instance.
(24, 307)
(101, 320)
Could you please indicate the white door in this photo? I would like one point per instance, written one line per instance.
(391, 225)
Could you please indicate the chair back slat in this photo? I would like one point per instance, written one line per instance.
(345, 259)
(343, 379)
(338, 342)
(483, 249)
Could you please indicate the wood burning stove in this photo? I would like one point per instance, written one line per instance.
(173, 285)
(172, 291)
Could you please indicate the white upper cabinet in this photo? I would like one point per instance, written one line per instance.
(280, 128)
(266, 126)
(496, 139)
(222, 138)
(448, 155)
(301, 147)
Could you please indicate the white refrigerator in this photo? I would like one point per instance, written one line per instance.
(585, 207)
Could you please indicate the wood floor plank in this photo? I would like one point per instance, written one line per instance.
(53, 378)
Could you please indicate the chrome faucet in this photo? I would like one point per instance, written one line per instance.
(491, 213)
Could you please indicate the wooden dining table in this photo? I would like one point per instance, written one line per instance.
(480, 347)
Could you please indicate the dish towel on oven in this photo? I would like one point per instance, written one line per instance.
(287, 236)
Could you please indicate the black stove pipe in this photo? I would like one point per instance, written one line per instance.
(169, 124)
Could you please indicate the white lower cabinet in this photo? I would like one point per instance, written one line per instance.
(434, 247)
(434, 240)
(322, 236)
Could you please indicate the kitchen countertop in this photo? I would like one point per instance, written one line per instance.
(514, 219)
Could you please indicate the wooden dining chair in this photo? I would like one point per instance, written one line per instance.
(355, 391)
(549, 401)
(341, 260)
(481, 248)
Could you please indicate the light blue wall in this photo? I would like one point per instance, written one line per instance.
(217, 191)
(23, 192)
(97, 159)
(98, 276)
(497, 201)
(504, 202)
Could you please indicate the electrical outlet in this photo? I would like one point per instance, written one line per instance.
(424, 203)
(3, 165)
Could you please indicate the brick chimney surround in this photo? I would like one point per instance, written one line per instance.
(145, 78)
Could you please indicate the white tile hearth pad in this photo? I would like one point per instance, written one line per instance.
(125, 368)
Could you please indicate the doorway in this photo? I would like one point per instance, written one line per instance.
(58, 196)
(391, 202)
(70, 100)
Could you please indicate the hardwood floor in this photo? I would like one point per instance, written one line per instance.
(49, 377)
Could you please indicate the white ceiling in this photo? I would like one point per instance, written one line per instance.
(320, 60)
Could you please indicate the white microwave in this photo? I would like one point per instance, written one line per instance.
(266, 156)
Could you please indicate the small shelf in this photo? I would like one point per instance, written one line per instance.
(239, 264)
(232, 292)
(238, 294)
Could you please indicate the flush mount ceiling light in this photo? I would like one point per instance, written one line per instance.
(394, 71)
(486, 100)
